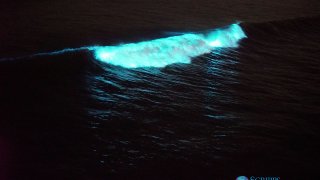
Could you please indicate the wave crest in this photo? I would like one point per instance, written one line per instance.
(165, 51)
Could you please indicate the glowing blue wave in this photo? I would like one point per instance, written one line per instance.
(165, 51)
(160, 52)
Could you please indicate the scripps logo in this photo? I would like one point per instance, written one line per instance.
(257, 178)
(242, 178)
(264, 178)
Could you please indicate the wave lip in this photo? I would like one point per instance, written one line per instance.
(159, 52)
(164, 51)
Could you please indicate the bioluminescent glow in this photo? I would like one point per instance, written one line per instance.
(165, 51)
(160, 52)
(67, 50)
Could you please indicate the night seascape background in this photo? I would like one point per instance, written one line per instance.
(251, 110)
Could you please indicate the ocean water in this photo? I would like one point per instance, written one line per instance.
(250, 110)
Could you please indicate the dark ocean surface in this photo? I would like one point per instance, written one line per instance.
(252, 110)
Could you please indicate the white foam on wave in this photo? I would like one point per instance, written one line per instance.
(165, 51)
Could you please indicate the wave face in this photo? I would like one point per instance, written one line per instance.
(165, 51)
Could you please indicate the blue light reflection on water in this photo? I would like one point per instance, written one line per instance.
(156, 104)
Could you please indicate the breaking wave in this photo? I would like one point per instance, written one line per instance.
(165, 51)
